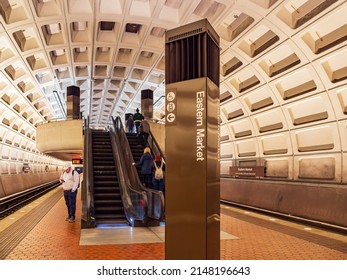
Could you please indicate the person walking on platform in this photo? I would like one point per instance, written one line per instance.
(138, 117)
(144, 133)
(146, 163)
(70, 182)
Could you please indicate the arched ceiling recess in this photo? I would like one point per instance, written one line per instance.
(283, 70)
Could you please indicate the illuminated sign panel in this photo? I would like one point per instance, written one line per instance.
(77, 161)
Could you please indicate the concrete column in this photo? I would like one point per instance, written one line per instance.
(73, 102)
(147, 103)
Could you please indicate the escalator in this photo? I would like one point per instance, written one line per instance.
(108, 205)
(131, 151)
(136, 149)
(111, 191)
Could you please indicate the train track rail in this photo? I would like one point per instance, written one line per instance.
(14, 202)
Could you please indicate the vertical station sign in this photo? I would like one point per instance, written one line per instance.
(192, 148)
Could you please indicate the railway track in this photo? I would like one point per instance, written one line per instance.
(14, 202)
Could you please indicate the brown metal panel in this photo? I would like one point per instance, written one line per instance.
(213, 172)
(192, 143)
(192, 168)
(200, 26)
(192, 53)
(178, 60)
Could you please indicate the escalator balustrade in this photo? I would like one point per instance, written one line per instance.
(108, 206)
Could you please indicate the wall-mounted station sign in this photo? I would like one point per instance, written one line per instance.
(247, 171)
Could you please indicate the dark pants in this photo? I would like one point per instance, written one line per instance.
(137, 125)
(147, 180)
(143, 139)
(158, 184)
(130, 129)
(70, 201)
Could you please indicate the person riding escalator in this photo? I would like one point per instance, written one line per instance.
(146, 163)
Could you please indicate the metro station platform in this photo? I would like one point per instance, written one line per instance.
(39, 232)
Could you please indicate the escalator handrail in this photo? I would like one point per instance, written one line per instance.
(128, 192)
(126, 166)
(154, 146)
(90, 177)
(135, 181)
(88, 180)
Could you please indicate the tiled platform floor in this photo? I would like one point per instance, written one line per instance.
(129, 235)
(258, 237)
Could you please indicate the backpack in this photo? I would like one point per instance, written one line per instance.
(158, 174)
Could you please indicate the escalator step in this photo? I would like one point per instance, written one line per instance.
(101, 150)
(106, 186)
(106, 196)
(109, 216)
(102, 155)
(109, 210)
(103, 167)
(102, 172)
(111, 202)
(102, 217)
(104, 163)
(105, 178)
(107, 193)
(105, 183)
(101, 160)
(112, 221)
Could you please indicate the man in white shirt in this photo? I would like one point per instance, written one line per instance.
(70, 182)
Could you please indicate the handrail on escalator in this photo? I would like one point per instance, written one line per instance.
(134, 199)
(155, 199)
(88, 180)
(154, 146)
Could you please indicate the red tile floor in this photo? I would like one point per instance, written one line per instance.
(260, 238)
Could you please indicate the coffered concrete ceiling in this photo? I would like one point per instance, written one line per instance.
(111, 49)
(283, 72)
